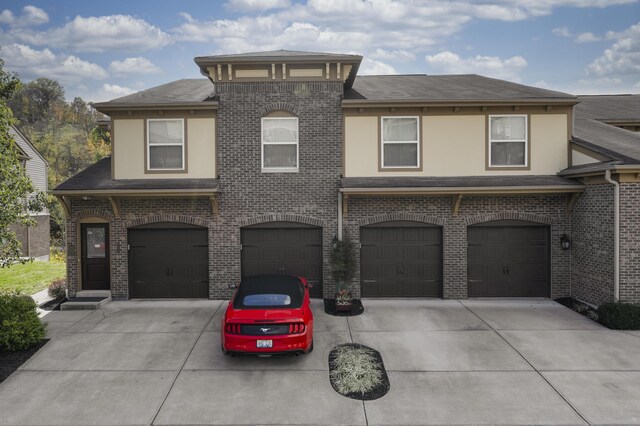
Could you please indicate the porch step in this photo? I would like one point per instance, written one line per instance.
(93, 293)
(85, 303)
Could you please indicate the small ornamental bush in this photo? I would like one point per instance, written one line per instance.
(620, 316)
(57, 254)
(20, 327)
(58, 289)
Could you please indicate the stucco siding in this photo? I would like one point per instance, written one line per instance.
(130, 145)
(456, 145)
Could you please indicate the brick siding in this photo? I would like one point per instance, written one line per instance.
(630, 242)
(592, 245)
(473, 210)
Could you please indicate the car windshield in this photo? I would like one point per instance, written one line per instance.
(266, 300)
(269, 292)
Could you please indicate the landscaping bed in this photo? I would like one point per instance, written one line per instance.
(330, 308)
(357, 371)
(11, 361)
(616, 316)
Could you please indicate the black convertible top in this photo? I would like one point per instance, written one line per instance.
(270, 284)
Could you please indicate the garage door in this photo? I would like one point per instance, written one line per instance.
(284, 248)
(508, 259)
(168, 260)
(401, 259)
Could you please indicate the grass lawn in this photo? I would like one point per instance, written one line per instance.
(31, 277)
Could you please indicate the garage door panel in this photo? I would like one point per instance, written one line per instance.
(168, 262)
(401, 261)
(283, 250)
(509, 261)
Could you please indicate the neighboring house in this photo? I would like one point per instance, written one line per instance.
(35, 239)
(606, 158)
(448, 185)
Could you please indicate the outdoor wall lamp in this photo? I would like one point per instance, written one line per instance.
(334, 242)
(565, 242)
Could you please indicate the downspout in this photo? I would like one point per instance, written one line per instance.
(339, 216)
(616, 235)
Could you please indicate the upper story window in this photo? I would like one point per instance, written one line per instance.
(400, 142)
(165, 144)
(279, 144)
(508, 142)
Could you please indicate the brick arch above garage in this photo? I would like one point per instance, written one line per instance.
(402, 216)
(189, 220)
(489, 217)
(282, 217)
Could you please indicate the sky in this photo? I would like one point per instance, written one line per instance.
(108, 49)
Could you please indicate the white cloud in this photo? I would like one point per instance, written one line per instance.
(114, 89)
(31, 16)
(98, 34)
(587, 38)
(623, 57)
(138, 65)
(561, 32)
(7, 17)
(491, 66)
(257, 5)
(372, 67)
(392, 55)
(33, 63)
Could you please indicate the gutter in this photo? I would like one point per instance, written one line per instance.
(543, 189)
(416, 102)
(616, 235)
(339, 216)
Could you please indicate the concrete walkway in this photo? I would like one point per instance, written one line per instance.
(449, 362)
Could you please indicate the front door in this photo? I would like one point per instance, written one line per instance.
(95, 256)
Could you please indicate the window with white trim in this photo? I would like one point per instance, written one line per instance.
(279, 144)
(400, 142)
(165, 144)
(508, 141)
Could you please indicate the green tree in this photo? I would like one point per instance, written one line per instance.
(15, 186)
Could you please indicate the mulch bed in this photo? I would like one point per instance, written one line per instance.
(375, 393)
(53, 304)
(580, 307)
(11, 361)
(330, 308)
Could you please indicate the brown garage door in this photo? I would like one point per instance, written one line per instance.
(284, 248)
(168, 260)
(508, 259)
(401, 259)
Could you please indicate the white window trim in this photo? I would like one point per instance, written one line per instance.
(383, 143)
(263, 143)
(526, 142)
(149, 145)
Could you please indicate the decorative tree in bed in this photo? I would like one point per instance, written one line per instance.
(343, 267)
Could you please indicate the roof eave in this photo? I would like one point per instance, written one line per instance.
(597, 171)
(135, 192)
(204, 61)
(355, 103)
(476, 190)
(106, 107)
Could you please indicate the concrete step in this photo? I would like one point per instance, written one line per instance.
(93, 293)
(85, 303)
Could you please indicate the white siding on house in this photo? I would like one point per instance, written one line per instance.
(36, 166)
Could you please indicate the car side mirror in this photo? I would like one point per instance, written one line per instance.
(233, 286)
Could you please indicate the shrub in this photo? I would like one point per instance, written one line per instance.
(57, 254)
(58, 289)
(343, 263)
(20, 327)
(620, 316)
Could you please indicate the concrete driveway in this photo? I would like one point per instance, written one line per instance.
(449, 362)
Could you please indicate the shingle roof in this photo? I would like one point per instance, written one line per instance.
(285, 54)
(456, 182)
(617, 143)
(97, 177)
(180, 92)
(469, 87)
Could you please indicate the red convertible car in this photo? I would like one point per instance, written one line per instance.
(268, 314)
